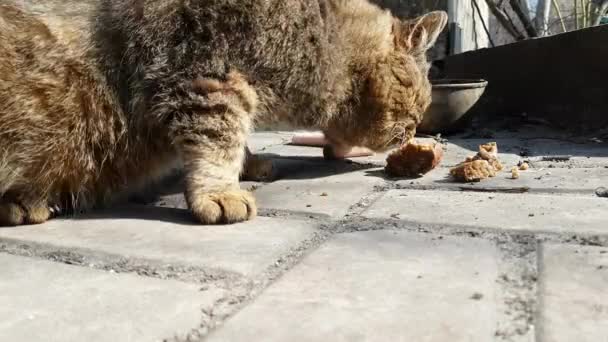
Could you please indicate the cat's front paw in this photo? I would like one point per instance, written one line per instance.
(223, 207)
(13, 214)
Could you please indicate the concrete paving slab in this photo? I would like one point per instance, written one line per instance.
(582, 155)
(260, 141)
(46, 301)
(528, 212)
(573, 295)
(321, 191)
(287, 150)
(378, 286)
(561, 180)
(247, 248)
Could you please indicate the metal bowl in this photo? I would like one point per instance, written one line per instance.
(452, 99)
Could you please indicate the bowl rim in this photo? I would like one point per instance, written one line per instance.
(468, 83)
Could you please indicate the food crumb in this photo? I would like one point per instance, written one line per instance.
(523, 166)
(413, 159)
(484, 164)
(601, 192)
(477, 296)
(473, 171)
(514, 173)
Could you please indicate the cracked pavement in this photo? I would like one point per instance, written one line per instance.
(338, 253)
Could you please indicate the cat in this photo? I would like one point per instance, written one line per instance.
(154, 85)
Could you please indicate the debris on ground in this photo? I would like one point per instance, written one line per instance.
(515, 172)
(523, 165)
(413, 159)
(556, 158)
(484, 164)
(477, 296)
(602, 192)
(473, 171)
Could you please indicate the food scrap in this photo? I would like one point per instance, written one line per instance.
(523, 166)
(473, 171)
(484, 164)
(414, 160)
(601, 192)
(515, 172)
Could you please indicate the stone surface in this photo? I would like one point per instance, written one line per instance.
(329, 188)
(582, 155)
(557, 180)
(260, 141)
(574, 299)
(291, 276)
(540, 213)
(287, 150)
(246, 248)
(378, 286)
(46, 301)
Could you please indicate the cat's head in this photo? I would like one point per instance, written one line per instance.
(394, 91)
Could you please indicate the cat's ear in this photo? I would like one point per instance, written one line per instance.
(420, 34)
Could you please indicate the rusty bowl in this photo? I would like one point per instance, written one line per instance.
(452, 99)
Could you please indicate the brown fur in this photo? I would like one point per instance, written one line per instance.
(153, 85)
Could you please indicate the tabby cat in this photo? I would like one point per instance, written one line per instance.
(150, 85)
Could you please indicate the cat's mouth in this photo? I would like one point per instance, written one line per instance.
(393, 137)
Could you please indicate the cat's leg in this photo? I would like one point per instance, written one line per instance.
(257, 169)
(212, 142)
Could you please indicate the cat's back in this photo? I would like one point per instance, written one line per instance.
(24, 39)
(66, 21)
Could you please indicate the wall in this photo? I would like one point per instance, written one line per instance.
(561, 79)
(467, 20)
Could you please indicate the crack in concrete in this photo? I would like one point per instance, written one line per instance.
(518, 282)
(518, 265)
(224, 308)
(358, 224)
(120, 264)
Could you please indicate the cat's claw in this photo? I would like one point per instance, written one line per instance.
(55, 211)
(223, 207)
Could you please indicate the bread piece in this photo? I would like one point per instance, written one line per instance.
(488, 152)
(515, 172)
(473, 171)
(414, 160)
(483, 165)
